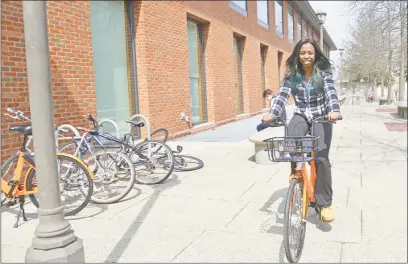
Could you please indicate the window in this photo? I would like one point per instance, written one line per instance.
(306, 32)
(291, 33)
(280, 56)
(263, 13)
(264, 50)
(327, 51)
(299, 26)
(239, 92)
(196, 67)
(279, 18)
(113, 45)
(240, 6)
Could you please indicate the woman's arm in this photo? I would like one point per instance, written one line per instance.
(280, 100)
(331, 94)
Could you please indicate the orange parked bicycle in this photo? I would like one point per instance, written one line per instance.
(300, 195)
(18, 179)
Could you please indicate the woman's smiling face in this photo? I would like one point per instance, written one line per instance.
(307, 55)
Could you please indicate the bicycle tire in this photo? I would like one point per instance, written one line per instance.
(287, 226)
(165, 132)
(131, 181)
(170, 166)
(65, 146)
(88, 175)
(178, 166)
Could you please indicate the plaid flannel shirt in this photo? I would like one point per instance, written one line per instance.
(308, 101)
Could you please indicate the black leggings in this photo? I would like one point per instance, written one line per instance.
(298, 127)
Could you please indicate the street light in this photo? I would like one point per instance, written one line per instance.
(321, 16)
(54, 240)
(341, 68)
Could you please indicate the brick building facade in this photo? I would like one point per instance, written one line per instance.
(208, 59)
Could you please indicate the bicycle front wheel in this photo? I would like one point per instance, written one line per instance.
(115, 176)
(155, 163)
(75, 180)
(294, 228)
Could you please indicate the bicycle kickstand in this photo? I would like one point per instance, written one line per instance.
(21, 201)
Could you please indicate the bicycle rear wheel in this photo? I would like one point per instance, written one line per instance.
(160, 134)
(115, 176)
(294, 228)
(75, 180)
(187, 163)
(71, 147)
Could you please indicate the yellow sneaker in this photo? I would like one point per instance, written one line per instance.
(326, 214)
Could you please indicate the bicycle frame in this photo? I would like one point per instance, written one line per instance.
(16, 189)
(95, 135)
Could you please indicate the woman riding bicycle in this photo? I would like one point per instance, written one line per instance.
(308, 78)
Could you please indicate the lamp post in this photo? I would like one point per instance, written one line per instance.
(341, 68)
(54, 241)
(321, 16)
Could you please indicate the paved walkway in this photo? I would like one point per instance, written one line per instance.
(233, 132)
(232, 210)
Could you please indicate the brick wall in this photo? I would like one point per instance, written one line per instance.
(71, 65)
(162, 63)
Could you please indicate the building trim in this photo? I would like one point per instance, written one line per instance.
(310, 15)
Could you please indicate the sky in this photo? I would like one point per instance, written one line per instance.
(337, 23)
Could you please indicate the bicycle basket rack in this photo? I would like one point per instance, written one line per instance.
(291, 149)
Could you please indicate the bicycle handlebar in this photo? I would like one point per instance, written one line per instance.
(19, 115)
(323, 119)
(94, 122)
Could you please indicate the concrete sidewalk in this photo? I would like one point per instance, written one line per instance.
(232, 209)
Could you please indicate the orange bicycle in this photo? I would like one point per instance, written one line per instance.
(18, 179)
(300, 195)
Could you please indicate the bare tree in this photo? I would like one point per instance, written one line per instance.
(380, 36)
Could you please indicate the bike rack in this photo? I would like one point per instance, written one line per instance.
(113, 123)
(146, 122)
(66, 127)
(147, 125)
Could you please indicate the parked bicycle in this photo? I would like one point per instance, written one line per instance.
(143, 165)
(18, 178)
(300, 195)
(181, 162)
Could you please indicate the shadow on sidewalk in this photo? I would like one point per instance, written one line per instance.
(124, 242)
(275, 229)
(279, 214)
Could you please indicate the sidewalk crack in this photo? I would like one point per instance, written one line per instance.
(181, 251)
(273, 175)
(348, 194)
(361, 225)
(237, 214)
(341, 252)
(247, 190)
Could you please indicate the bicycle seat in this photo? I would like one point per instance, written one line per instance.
(137, 124)
(26, 130)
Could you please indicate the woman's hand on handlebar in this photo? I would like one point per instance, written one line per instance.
(268, 118)
(333, 116)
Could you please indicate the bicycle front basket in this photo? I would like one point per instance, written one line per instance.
(291, 149)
